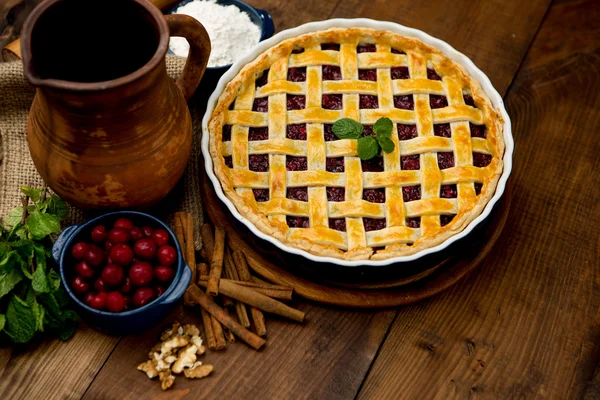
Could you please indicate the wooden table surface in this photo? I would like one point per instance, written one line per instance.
(526, 324)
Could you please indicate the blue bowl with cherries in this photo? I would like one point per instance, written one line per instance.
(124, 271)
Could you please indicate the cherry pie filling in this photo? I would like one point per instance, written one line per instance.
(258, 134)
(296, 132)
(332, 73)
(260, 162)
(296, 74)
(297, 193)
(336, 193)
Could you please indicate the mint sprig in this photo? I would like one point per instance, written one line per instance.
(367, 146)
(31, 297)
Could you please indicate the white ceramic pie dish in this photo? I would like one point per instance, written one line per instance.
(448, 50)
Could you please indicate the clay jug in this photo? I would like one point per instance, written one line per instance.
(108, 128)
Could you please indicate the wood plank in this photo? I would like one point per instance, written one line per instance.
(325, 358)
(53, 369)
(526, 323)
(495, 34)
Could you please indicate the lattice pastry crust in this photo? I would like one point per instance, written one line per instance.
(281, 166)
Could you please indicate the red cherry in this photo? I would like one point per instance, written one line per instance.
(100, 285)
(94, 256)
(79, 251)
(136, 234)
(143, 296)
(164, 274)
(145, 248)
(126, 288)
(99, 234)
(84, 270)
(108, 245)
(88, 298)
(140, 273)
(119, 235)
(121, 254)
(98, 301)
(160, 236)
(160, 290)
(79, 285)
(167, 255)
(113, 275)
(115, 302)
(147, 231)
(124, 223)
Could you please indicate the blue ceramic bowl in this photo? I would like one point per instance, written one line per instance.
(128, 322)
(261, 18)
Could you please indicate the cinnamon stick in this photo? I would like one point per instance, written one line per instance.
(184, 230)
(208, 240)
(276, 293)
(219, 334)
(211, 307)
(253, 298)
(239, 260)
(231, 273)
(210, 322)
(228, 334)
(216, 265)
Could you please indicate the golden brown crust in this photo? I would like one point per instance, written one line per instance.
(353, 245)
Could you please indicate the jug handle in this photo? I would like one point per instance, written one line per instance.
(195, 65)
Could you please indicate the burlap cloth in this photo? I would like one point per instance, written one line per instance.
(17, 169)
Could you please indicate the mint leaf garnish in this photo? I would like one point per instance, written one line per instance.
(386, 144)
(367, 147)
(347, 128)
(383, 127)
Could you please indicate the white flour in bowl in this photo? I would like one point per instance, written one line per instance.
(231, 31)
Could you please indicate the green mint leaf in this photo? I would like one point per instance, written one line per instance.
(14, 216)
(10, 272)
(2, 321)
(40, 312)
(58, 207)
(367, 147)
(383, 127)
(347, 128)
(41, 225)
(34, 194)
(53, 280)
(386, 144)
(20, 320)
(40, 281)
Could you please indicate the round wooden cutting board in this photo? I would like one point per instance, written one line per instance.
(368, 287)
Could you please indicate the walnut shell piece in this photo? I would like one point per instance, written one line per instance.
(166, 379)
(185, 359)
(198, 371)
(149, 367)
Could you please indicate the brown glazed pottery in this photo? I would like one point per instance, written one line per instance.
(108, 128)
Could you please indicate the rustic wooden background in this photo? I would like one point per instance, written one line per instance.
(526, 324)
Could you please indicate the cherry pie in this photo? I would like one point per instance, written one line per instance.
(284, 169)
